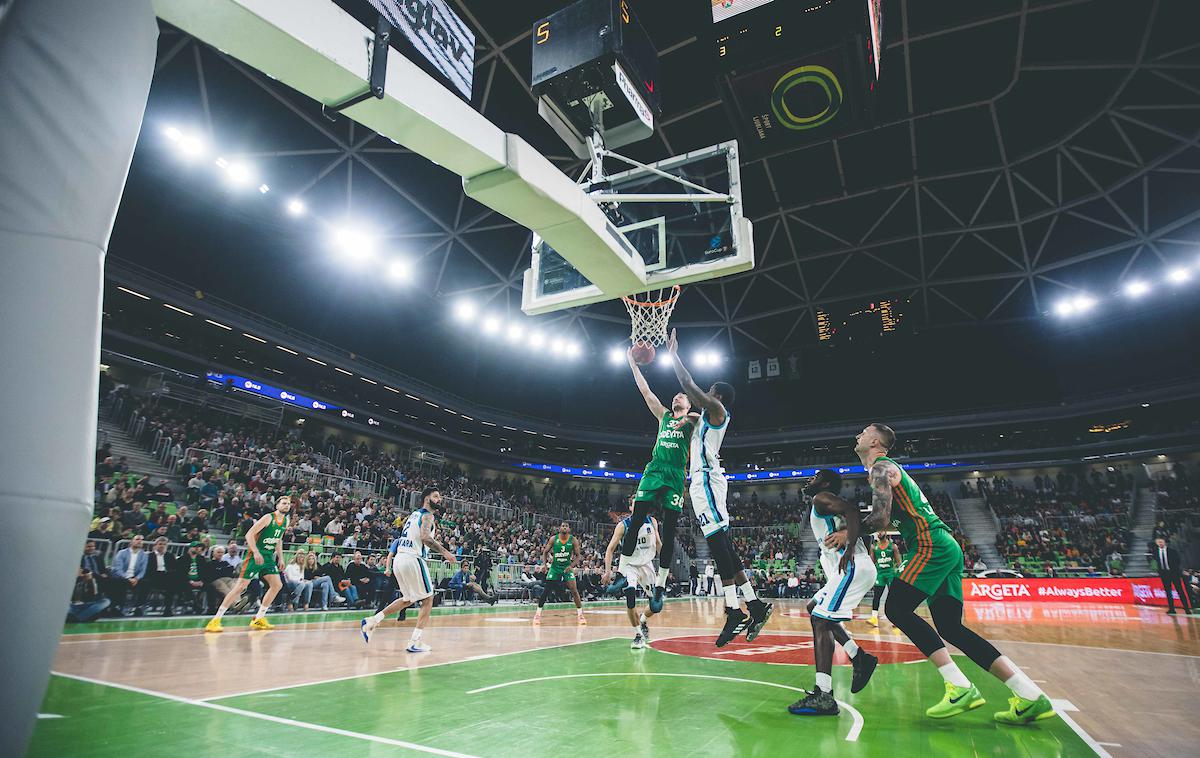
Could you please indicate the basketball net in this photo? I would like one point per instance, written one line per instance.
(650, 312)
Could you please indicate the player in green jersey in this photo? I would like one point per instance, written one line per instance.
(660, 492)
(932, 573)
(264, 558)
(560, 555)
(887, 557)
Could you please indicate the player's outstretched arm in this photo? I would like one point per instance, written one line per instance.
(657, 536)
(618, 533)
(652, 401)
(883, 476)
(713, 406)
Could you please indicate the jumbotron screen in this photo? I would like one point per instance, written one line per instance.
(724, 9)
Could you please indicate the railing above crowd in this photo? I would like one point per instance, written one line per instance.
(277, 472)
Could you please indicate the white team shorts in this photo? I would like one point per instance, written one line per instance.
(707, 491)
(842, 593)
(412, 576)
(645, 575)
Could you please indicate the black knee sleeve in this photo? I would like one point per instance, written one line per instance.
(641, 509)
(947, 616)
(723, 554)
(630, 597)
(669, 520)
(901, 610)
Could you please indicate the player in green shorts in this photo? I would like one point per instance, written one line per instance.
(264, 558)
(660, 492)
(932, 573)
(887, 557)
(560, 555)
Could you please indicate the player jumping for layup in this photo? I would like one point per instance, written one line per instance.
(264, 558)
(851, 573)
(708, 489)
(560, 555)
(932, 572)
(642, 563)
(412, 575)
(661, 488)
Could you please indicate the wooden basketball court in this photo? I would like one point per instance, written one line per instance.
(1124, 680)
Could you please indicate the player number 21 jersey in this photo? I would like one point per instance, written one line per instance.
(706, 446)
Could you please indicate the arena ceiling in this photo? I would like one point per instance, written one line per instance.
(1023, 151)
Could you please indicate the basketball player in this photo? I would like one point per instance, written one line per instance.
(264, 558)
(887, 557)
(412, 575)
(707, 491)
(661, 489)
(850, 574)
(642, 563)
(932, 573)
(560, 555)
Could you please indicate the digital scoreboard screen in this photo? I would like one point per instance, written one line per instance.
(724, 9)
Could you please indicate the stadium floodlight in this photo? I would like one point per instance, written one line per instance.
(1065, 308)
(616, 356)
(464, 310)
(295, 207)
(514, 331)
(172, 132)
(574, 350)
(1178, 275)
(239, 174)
(491, 325)
(1136, 288)
(536, 340)
(191, 146)
(355, 245)
(263, 189)
(557, 346)
(400, 271)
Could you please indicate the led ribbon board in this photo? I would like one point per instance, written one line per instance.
(438, 34)
(749, 476)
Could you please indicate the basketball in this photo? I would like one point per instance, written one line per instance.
(643, 353)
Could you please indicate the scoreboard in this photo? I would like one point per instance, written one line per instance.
(797, 71)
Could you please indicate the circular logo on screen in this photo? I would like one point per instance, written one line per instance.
(781, 648)
(806, 97)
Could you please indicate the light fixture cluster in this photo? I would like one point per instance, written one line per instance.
(509, 330)
(355, 247)
(1135, 289)
(701, 359)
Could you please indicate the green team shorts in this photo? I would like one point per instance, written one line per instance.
(556, 574)
(935, 569)
(884, 578)
(251, 569)
(663, 488)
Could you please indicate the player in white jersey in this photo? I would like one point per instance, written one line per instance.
(641, 566)
(707, 491)
(850, 576)
(412, 575)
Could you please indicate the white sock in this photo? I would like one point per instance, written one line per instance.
(748, 592)
(731, 599)
(851, 648)
(951, 673)
(1020, 684)
(662, 577)
(874, 614)
(825, 682)
(262, 611)
(415, 638)
(643, 619)
(377, 618)
(220, 612)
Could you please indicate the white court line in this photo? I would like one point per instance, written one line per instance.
(851, 736)
(1061, 707)
(1094, 647)
(274, 719)
(402, 668)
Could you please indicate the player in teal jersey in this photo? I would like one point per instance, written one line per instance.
(932, 573)
(264, 558)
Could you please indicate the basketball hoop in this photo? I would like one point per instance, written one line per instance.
(650, 312)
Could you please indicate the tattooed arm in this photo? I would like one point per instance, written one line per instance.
(883, 476)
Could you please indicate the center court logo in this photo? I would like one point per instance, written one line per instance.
(823, 80)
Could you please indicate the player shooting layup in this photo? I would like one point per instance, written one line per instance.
(708, 491)
(932, 572)
(661, 488)
(264, 558)
(851, 573)
(412, 575)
